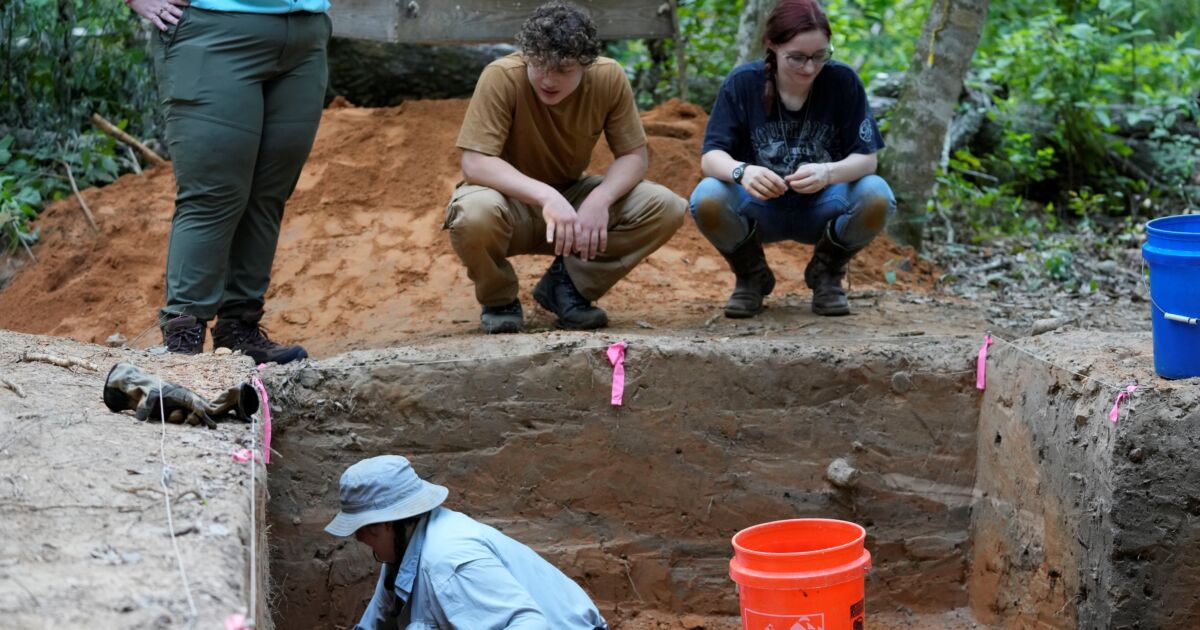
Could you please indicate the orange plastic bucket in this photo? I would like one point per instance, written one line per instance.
(801, 574)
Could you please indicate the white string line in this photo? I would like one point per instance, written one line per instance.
(1085, 377)
(163, 481)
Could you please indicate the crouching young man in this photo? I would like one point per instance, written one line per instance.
(443, 569)
(527, 137)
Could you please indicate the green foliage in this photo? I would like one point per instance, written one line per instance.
(708, 33)
(876, 36)
(1079, 90)
(63, 60)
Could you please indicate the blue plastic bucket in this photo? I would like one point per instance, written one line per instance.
(1172, 250)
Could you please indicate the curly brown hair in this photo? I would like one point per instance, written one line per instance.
(558, 33)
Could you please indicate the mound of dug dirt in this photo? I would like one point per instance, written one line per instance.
(362, 259)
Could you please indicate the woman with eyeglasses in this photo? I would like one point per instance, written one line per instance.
(789, 155)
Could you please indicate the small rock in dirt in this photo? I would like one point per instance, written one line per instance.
(692, 622)
(642, 324)
(222, 351)
(901, 382)
(157, 350)
(309, 378)
(295, 520)
(1136, 455)
(218, 530)
(115, 340)
(841, 474)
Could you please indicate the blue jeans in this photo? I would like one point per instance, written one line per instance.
(859, 211)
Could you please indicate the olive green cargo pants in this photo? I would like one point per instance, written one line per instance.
(243, 94)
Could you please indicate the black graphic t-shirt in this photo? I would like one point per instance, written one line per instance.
(834, 122)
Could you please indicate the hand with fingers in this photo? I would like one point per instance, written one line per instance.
(162, 13)
(809, 178)
(763, 183)
(560, 219)
(591, 228)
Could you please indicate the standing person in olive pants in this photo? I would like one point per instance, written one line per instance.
(243, 82)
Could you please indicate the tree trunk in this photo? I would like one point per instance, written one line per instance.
(927, 101)
(750, 29)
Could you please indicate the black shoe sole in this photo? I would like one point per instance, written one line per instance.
(831, 312)
(503, 328)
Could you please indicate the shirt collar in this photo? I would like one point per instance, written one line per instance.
(412, 559)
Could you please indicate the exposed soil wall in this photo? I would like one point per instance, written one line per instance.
(84, 537)
(1082, 522)
(638, 503)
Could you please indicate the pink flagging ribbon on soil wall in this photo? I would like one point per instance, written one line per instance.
(242, 456)
(981, 365)
(616, 356)
(266, 410)
(1122, 395)
(237, 622)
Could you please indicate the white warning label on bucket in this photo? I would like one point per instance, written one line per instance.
(754, 620)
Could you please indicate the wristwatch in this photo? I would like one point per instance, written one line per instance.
(738, 172)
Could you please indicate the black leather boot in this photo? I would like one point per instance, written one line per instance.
(825, 272)
(243, 331)
(183, 334)
(754, 278)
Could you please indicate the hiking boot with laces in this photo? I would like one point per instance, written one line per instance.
(244, 332)
(183, 334)
(557, 294)
(509, 318)
(825, 272)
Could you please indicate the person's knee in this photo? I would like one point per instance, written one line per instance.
(475, 216)
(709, 196)
(878, 203)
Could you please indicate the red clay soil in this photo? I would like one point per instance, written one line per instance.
(362, 259)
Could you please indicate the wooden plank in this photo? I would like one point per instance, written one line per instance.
(482, 21)
(365, 19)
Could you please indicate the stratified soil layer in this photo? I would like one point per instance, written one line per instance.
(362, 260)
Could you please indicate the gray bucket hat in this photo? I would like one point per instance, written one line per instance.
(382, 489)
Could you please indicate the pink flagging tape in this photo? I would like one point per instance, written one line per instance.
(266, 411)
(1115, 413)
(242, 456)
(616, 356)
(237, 622)
(981, 365)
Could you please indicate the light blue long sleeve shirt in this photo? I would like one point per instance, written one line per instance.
(263, 6)
(458, 573)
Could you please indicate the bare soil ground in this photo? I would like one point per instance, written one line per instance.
(84, 536)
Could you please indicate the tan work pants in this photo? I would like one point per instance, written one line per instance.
(486, 228)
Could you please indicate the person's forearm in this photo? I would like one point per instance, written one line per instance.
(625, 172)
(497, 174)
(853, 168)
(718, 164)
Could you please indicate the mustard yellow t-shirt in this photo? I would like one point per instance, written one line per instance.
(552, 144)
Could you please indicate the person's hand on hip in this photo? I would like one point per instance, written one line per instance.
(161, 13)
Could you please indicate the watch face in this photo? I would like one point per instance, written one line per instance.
(737, 174)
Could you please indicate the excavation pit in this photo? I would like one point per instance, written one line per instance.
(1019, 506)
(1023, 504)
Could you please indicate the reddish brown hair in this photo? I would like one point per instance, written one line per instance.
(787, 20)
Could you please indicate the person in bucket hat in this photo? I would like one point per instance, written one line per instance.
(443, 569)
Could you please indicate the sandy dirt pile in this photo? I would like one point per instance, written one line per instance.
(362, 259)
